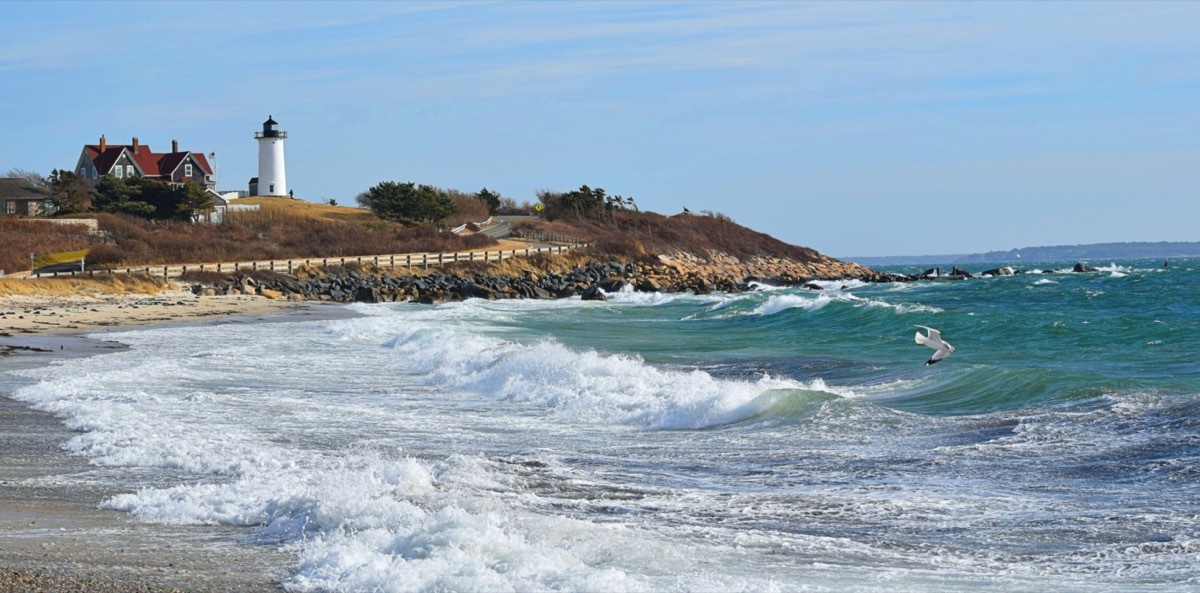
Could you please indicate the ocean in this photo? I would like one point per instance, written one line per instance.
(778, 440)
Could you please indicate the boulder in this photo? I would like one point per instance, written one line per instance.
(271, 294)
(367, 295)
(649, 285)
(1083, 267)
(477, 291)
(593, 294)
(813, 286)
(613, 284)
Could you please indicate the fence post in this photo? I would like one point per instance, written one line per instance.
(391, 261)
(425, 260)
(440, 259)
(289, 266)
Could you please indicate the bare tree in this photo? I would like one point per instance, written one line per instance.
(33, 177)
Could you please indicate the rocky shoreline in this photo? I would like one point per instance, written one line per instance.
(537, 278)
(531, 278)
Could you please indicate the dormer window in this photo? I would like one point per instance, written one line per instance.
(129, 170)
(187, 170)
(118, 171)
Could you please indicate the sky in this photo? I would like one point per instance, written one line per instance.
(855, 128)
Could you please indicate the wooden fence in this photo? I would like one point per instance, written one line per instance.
(545, 237)
(403, 260)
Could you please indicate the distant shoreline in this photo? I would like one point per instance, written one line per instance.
(1133, 250)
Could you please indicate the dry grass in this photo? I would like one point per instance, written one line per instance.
(19, 238)
(269, 234)
(540, 263)
(640, 236)
(470, 209)
(84, 285)
(311, 209)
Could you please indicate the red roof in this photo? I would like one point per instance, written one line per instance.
(151, 163)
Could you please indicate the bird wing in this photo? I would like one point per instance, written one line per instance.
(940, 354)
(933, 333)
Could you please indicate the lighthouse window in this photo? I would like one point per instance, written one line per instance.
(272, 190)
(187, 170)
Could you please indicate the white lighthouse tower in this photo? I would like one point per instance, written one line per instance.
(272, 179)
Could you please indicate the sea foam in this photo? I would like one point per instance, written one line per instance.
(581, 386)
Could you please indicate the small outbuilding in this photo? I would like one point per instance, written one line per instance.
(19, 197)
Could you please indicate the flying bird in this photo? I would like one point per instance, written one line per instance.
(934, 340)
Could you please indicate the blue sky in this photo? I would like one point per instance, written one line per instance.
(854, 128)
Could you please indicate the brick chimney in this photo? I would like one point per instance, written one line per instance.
(174, 146)
(103, 144)
(135, 145)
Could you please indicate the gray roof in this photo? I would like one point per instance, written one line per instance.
(19, 188)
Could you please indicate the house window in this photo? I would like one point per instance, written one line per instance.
(118, 171)
(187, 170)
(129, 170)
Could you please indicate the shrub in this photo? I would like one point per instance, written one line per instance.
(408, 203)
(640, 234)
(469, 209)
(264, 235)
(22, 237)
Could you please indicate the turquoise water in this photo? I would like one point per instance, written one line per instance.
(778, 440)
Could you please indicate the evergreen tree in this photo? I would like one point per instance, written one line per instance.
(117, 195)
(408, 203)
(68, 192)
(491, 198)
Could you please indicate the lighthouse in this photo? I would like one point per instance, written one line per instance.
(272, 179)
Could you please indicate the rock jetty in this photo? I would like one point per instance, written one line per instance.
(679, 272)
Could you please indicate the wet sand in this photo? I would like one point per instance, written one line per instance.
(53, 536)
(36, 316)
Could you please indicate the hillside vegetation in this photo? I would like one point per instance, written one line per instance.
(275, 232)
(644, 235)
(286, 228)
(310, 209)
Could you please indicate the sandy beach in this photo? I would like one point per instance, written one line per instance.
(57, 315)
(52, 533)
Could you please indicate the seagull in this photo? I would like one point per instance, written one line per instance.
(934, 340)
